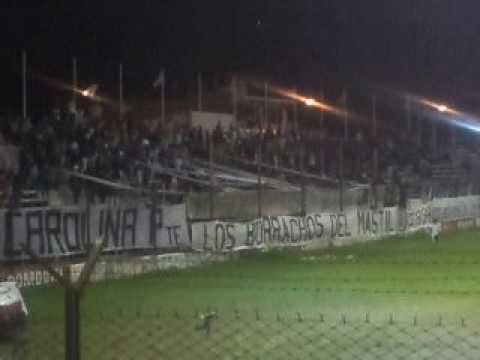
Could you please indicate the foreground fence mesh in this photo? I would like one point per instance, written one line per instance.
(211, 335)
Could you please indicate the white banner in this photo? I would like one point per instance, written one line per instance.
(447, 209)
(421, 213)
(418, 214)
(316, 230)
(55, 232)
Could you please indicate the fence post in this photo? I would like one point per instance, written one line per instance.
(73, 294)
(259, 181)
(72, 318)
(76, 322)
(341, 176)
(211, 198)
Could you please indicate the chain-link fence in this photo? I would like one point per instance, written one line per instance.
(252, 335)
(132, 329)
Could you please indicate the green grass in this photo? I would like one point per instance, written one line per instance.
(265, 296)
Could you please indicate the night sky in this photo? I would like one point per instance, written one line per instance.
(426, 46)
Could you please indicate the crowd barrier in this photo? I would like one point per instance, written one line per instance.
(109, 267)
(244, 204)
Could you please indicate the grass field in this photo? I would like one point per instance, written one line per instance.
(385, 299)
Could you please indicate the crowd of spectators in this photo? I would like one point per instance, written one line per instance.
(44, 148)
(35, 152)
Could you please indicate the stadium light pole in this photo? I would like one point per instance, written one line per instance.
(375, 150)
(453, 140)
(408, 110)
(200, 92)
(259, 181)
(434, 138)
(24, 84)
(345, 114)
(74, 83)
(419, 117)
(441, 108)
(120, 92)
(265, 99)
(235, 98)
(295, 111)
(322, 120)
(322, 112)
(162, 89)
(340, 194)
(303, 205)
(211, 197)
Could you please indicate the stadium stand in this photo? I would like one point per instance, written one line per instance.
(33, 150)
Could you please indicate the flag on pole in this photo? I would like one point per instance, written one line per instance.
(408, 111)
(160, 80)
(343, 100)
(24, 84)
(234, 96)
